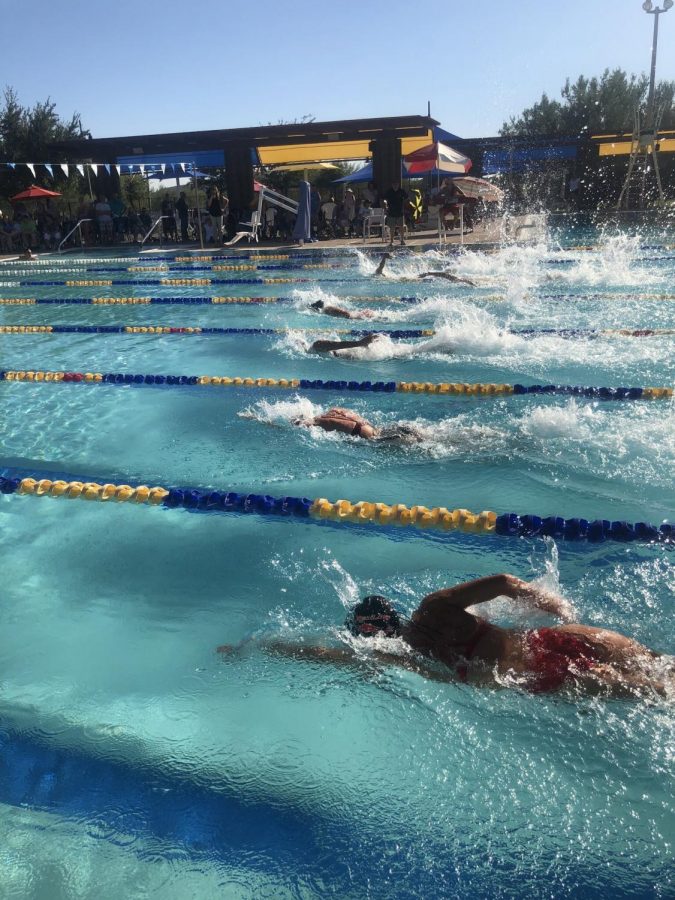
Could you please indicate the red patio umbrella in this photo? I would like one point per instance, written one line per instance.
(34, 193)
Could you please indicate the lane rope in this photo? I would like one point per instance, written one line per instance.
(418, 517)
(400, 333)
(415, 387)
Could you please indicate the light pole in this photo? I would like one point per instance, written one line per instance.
(647, 135)
(644, 140)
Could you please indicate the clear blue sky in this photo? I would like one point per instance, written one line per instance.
(138, 67)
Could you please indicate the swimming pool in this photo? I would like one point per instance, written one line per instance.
(137, 763)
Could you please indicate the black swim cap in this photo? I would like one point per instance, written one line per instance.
(372, 615)
(318, 305)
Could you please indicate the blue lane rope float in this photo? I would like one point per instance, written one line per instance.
(437, 519)
(142, 270)
(167, 329)
(174, 301)
(166, 282)
(414, 387)
(400, 333)
(397, 333)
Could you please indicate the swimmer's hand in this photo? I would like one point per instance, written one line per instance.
(542, 599)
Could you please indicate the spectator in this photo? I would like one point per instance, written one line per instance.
(104, 220)
(214, 203)
(350, 209)
(315, 209)
(169, 220)
(183, 214)
(396, 199)
(29, 232)
(50, 227)
(362, 214)
(371, 195)
(10, 236)
(270, 222)
(117, 210)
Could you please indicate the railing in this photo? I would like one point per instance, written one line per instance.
(74, 228)
(155, 224)
(276, 199)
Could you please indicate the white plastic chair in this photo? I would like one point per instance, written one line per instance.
(253, 230)
(376, 218)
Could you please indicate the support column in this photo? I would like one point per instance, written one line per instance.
(239, 181)
(386, 162)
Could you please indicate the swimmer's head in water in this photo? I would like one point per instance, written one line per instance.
(374, 614)
(318, 305)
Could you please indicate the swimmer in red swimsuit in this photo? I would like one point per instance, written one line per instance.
(346, 421)
(455, 645)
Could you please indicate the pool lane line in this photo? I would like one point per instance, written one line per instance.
(195, 330)
(140, 270)
(246, 299)
(191, 301)
(396, 333)
(367, 513)
(166, 282)
(415, 387)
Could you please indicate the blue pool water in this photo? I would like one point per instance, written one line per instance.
(134, 762)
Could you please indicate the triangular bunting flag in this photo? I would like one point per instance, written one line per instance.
(12, 165)
(32, 168)
(80, 168)
(119, 169)
(163, 168)
(182, 166)
(64, 167)
(107, 167)
(48, 167)
(94, 166)
(141, 166)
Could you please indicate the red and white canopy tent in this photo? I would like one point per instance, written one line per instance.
(437, 159)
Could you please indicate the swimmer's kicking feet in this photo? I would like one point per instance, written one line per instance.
(331, 346)
(339, 312)
(453, 644)
(346, 421)
(447, 275)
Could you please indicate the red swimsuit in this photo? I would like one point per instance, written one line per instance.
(555, 657)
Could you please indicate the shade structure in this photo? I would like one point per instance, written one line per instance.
(478, 189)
(365, 173)
(304, 167)
(177, 173)
(35, 193)
(437, 156)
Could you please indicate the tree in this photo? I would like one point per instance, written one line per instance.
(26, 135)
(594, 106)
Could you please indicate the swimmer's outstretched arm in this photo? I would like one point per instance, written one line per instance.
(483, 590)
(448, 276)
(342, 656)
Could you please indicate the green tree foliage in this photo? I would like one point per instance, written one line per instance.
(26, 134)
(594, 106)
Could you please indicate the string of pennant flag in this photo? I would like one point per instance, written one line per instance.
(178, 169)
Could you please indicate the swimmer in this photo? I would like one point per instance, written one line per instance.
(340, 312)
(331, 346)
(28, 255)
(447, 275)
(453, 644)
(348, 422)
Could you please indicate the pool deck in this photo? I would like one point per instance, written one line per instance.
(487, 235)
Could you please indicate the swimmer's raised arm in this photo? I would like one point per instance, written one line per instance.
(482, 590)
(380, 268)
